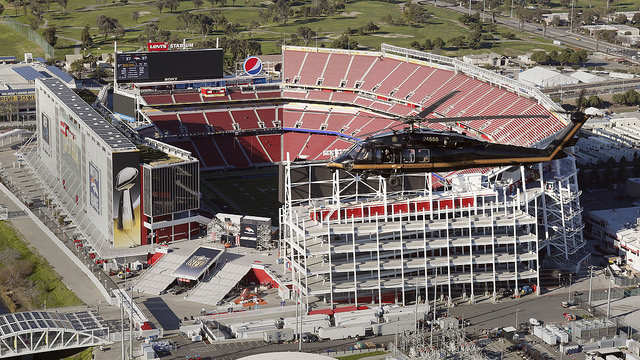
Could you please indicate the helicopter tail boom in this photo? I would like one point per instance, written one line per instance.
(566, 136)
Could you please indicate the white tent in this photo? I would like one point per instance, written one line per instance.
(540, 76)
(594, 111)
(586, 77)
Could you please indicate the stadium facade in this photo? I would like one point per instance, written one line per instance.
(342, 238)
(464, 233)
(114, 191)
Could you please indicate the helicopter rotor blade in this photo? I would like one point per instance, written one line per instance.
(488, 117)
(431, 108)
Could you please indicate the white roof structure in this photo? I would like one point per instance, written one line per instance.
(587, 77)
(212, 289)
(157, 278)
(540, 76)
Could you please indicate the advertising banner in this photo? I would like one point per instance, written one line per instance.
(126, 199)
(94, 187)
(249, 231)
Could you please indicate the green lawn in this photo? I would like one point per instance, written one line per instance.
(15, 44)
(47, 282)
(361, 356)
(79, 13)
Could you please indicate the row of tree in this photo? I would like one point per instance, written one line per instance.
(567, 56)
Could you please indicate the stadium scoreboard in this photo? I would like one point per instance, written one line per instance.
(169, 65)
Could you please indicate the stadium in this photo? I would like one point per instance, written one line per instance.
(344, 238)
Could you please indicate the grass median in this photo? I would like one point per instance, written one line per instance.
(26, 278)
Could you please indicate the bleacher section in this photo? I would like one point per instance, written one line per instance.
(399, 86)
(253, 127)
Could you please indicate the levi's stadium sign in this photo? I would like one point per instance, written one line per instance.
(164, 46)
(158, 46)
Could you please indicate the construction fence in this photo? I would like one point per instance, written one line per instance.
(33, 35)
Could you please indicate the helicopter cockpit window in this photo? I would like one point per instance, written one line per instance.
(364, 154)
(353, 152)
(408, 155)
(423, 155)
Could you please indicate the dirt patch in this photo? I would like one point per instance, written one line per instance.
(143, 13)
(351, 14)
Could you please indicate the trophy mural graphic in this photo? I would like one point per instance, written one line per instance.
(125, 180)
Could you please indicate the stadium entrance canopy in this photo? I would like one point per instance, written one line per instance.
(197, 264)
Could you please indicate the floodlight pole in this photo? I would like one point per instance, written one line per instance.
(591, 270)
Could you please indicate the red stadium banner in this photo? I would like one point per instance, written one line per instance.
(158, 46)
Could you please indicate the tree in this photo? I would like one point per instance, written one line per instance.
(197, 3)
(77, 67)
(456, 42)
(541, 57)
(371, 27)
(306, 34)
(620, 19)
(414, 14)
(218, 19)
(593, 101)
(172, 5)
(160, 4)
(231, 29)
(62, 3)
(388, 19)
(281, 11)
(135, 16)
(36, 22)
(474, 40)
(438, 43)
(204, 24)
(636, 19)
(108, 26)
(427, 45)
(187, 21)
(344, 42)
(1, 9)
(86, 38)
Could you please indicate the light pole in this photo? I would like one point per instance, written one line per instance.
(609, 300)
(559, 284)
(571, 26)
(570, 286)
(591, 271)
(517, 319)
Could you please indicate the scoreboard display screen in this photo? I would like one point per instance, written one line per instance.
(169, 65)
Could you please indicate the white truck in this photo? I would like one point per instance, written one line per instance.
(343, 332)
(278, 335)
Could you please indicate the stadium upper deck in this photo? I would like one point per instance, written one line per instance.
(328, 97)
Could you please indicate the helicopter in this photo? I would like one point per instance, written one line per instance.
(416, 149)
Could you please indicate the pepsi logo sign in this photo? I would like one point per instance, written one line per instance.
(252, 65)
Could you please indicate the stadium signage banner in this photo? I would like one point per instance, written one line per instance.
(158, 46)
(17, 98)
(252, 66)
(164, 46)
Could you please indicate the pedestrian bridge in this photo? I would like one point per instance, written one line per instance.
(35, 332)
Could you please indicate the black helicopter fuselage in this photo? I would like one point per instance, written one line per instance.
(421, 150)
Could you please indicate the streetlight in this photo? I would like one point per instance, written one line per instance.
(517, 319)
(609, 300)
(570, 274)
(591, 271)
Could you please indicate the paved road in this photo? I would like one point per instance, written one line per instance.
(554, 33)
